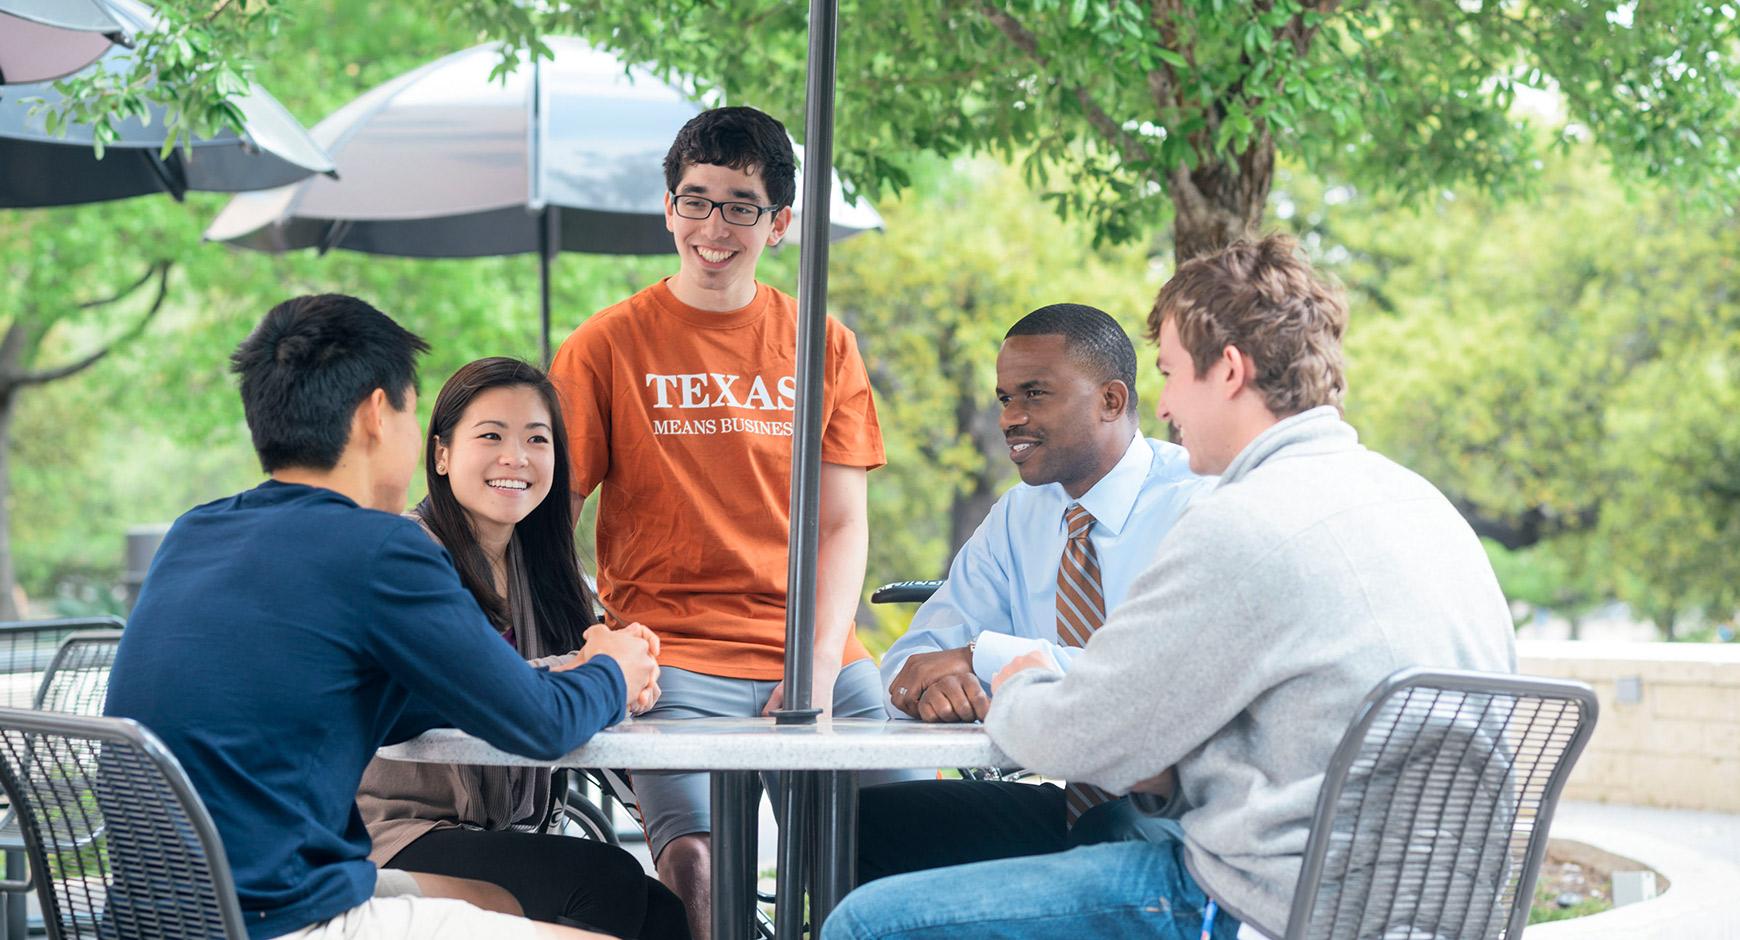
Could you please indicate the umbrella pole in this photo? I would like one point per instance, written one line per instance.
(549, 242)
(800, 798)
(806, 446)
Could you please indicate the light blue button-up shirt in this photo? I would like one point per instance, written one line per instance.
(1002, 585)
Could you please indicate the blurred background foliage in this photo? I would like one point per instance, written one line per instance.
(1564, 363)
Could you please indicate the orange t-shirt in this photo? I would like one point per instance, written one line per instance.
(682, 419)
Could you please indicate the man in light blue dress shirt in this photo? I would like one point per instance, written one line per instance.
(1066, 380)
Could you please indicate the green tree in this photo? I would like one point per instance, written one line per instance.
(67, 305)
(1566, 371)
(152, 425)
(1529, 358)
(1148, 106)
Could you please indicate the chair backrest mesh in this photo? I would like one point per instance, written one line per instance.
(1433, 817)
(28, 646)
(120, 845)
(77, 681)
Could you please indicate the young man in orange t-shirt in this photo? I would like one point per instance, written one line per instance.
(679, 405)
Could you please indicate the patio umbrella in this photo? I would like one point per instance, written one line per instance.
(42, 40)
(444, 162)
(42, 169)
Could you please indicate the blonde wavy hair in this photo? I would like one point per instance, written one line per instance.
(1264, 298)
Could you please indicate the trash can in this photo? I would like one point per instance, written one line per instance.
(142, 542)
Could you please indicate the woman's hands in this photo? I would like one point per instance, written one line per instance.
(635, 649)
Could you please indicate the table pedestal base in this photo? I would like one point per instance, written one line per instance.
(735, 796)
(820, 869)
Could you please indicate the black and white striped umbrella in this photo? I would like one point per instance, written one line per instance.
(42, 40)
(40, 168)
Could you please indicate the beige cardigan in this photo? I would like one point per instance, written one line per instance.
(400, 800)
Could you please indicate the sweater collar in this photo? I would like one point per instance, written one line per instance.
(1319, 430)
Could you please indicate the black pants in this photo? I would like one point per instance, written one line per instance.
(924, 824)
(557, 879)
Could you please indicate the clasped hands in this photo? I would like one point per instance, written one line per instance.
(635, 649)
(941, 686)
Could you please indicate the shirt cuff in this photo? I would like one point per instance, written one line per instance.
(995, 650)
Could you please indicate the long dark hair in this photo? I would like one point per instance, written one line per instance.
(561, 604)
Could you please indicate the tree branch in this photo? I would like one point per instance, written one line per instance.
(1533, 526)
(1296, 32)
(43, 377)
(1132, 150)
(126, 291)
(1163, 82)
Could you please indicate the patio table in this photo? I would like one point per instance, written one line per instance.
(819, 764)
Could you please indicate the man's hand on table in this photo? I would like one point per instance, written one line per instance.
(954, 697)
(635, 649)
(1037, 659)
(911, 687)
(822, 679)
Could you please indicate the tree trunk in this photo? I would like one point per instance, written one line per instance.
(1218, 203)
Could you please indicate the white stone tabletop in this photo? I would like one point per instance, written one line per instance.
(737, 744)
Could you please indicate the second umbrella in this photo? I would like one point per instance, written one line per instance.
(444, 162)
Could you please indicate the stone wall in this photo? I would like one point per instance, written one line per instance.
(1669, 731)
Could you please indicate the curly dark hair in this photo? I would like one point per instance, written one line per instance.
(740, 138)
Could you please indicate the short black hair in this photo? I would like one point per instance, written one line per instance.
(306, 368)
(740, 138)
(1092, 335)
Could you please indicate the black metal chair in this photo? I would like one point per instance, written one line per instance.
(123, 847)
(27, 650)
(1432, 820)
(77, 679)
(27, 647)
(904, 592)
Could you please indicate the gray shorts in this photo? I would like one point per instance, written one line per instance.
(677, 803)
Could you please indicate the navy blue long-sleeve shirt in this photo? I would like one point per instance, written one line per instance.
(285, 633)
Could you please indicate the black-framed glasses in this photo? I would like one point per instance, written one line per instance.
(698, 208)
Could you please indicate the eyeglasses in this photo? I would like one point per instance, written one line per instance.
(698, 208)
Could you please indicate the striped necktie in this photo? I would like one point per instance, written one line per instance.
(1081, 609)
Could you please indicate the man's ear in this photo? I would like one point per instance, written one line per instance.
(1235, 371)
(781, 222)
(1114, 400)
(368, 426)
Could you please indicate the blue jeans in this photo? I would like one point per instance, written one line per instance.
(925, 824)
(1121, 889)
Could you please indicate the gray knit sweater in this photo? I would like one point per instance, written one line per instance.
(1312, 571)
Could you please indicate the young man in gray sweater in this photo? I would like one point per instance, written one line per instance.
(1222, 684)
